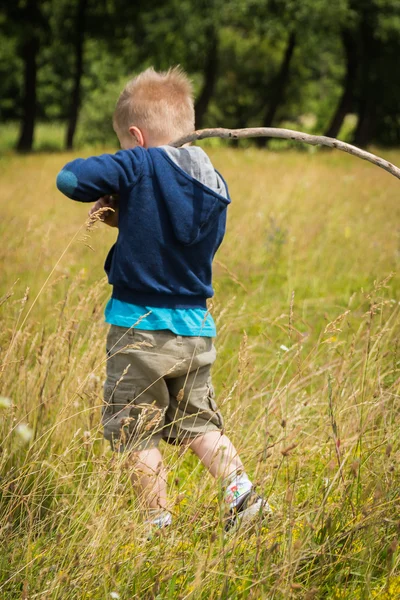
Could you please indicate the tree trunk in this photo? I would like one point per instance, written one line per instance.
(346, 100)
(29, 52)
(366, 122)
(278, 86)
(76, 92)
(369, 94)
(210, 78)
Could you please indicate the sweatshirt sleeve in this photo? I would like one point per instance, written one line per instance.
(87, 179)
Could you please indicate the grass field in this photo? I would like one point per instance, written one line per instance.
(308, 377)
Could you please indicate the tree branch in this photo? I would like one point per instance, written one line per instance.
(288, 134)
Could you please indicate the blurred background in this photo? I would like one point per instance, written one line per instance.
(321, 66)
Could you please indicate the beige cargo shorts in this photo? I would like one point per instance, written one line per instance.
(158, 387)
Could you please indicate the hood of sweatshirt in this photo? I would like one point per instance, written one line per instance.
(196, 194)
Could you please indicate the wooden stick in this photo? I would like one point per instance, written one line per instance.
(288, 134)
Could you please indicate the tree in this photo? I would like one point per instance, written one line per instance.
(302, 23)
(80, 27)
(378, 108)
(367, 97)
(371, 41)
(24, 23)
(209, 76)
(29, 49)
(347, 98)
(278, 85)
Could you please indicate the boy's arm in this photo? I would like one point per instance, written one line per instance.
(88, 179)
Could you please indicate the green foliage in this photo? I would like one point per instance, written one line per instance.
(122, 38)
(10, 77)
(96, 117)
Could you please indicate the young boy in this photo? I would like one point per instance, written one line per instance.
(171, 218)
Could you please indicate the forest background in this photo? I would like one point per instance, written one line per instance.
(319, 66)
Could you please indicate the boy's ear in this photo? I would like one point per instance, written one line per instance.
(136, 133)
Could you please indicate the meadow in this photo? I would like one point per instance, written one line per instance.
(307, 377)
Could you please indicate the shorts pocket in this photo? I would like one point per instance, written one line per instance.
(218, 420)
(126, 418)
(117, 397)
(107, 408)
(116, 410)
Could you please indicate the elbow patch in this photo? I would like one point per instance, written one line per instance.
(67, 182)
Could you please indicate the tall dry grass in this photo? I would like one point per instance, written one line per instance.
(308, 376)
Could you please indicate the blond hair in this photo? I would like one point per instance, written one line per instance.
(161, 102)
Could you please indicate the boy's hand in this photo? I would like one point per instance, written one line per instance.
(109, 217)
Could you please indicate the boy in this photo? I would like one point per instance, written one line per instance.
(171, 218)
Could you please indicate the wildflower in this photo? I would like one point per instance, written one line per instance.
(24, 432)
(284, 348)
(114, 595)
(5, 402)
(330, 340)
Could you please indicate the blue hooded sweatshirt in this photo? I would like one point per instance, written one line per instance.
(172, 216)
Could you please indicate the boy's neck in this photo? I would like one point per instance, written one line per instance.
(155, 143)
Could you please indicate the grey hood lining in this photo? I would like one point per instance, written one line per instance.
(195, 162)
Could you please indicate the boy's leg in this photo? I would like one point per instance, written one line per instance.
(136, 398)
(219, 456)
(217, 453)
(214, 449)
(149, 478)
(194, 420)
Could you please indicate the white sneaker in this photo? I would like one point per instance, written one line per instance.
(250, 508)
(160, 520)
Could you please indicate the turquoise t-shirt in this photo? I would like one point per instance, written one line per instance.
(188, 321)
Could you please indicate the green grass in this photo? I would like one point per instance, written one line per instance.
(48, 137)
(307, 377)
